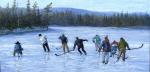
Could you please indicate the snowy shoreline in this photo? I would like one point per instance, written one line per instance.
(20, 30)
(37, 29)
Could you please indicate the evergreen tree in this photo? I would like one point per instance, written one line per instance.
(14, 17)
(46, 16)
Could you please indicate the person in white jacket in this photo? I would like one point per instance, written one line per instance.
(44, 42)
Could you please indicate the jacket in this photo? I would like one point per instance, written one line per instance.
(43, 39)
(18, 48)
(106, 46)
(79, 43)
(63, 39)
(97, 39)
(122, 45)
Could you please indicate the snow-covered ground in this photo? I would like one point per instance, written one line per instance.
(35, 60)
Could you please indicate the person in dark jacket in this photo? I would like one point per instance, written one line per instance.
(18, 49)
(79, 44)
(64, 42)
(106, 48)
(122, 48)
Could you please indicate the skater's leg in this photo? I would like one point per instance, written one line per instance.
(107, 58)
(44, 47)
(96, 46)
(114, 54)
(79, 50)
(120, 54)
(63, 45)
(103, 57)
(18, 54)
(14, 53)
(47, 46)
(67, 47)
(84, 50)
(99, 50)
(111, 54)
(123, 56)
(21, 53)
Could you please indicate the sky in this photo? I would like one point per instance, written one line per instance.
(93, 5)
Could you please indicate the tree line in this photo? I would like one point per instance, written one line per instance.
(117, 20)
(29, 17)
(14, 17)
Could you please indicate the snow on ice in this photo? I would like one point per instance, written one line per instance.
(35, 60)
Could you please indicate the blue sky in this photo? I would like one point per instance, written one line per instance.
(94, 5)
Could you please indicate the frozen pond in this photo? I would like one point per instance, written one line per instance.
(35, 60)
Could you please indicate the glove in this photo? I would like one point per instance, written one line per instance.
(129, 49)
(93, 41)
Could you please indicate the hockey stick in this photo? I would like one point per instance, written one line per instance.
(137, 47)
(62, 53)
(0, 66)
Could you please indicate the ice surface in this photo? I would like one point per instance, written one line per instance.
(35, 60)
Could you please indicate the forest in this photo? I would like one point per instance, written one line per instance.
(29, 17)
(32, 16)
(116, 20)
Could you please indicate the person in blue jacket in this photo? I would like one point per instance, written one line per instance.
(18, 49)
(106, 48)
(114, 47)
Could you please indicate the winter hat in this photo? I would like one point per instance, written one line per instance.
(63, 34)
(17, 42)
(114, 41)
(106, 39)
(40, 34)
(77, 37)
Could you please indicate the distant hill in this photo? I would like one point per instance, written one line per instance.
(82, 11)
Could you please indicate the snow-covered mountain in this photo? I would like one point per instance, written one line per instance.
(82, 11)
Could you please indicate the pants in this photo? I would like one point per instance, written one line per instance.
(18, 52)
(82, 48)
(113, 51)
(46, 47)
(112, 54)
(105, 57)
(97, 46)
(65, 47)
(122, 54)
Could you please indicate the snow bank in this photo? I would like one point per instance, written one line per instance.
(21, 30)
